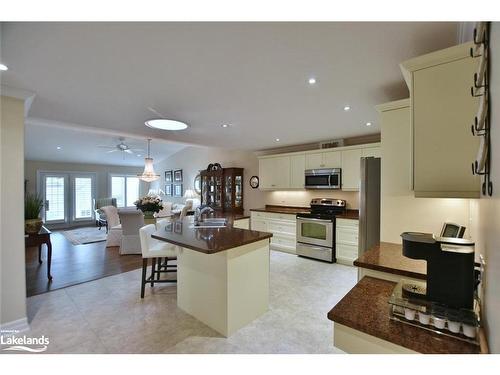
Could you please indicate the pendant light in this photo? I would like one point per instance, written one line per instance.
(149, 173)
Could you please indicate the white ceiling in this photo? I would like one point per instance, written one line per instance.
(251, 75)
(81, 146)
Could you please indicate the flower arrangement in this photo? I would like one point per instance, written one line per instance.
(149, 204)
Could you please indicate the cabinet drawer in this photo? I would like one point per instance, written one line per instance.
(279, 226)
(273, 215)
(347, 236)
(347, 223)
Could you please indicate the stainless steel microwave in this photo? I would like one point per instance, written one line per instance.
(330, 178)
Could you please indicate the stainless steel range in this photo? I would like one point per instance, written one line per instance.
(316, 230)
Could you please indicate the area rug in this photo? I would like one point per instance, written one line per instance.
(81, 236)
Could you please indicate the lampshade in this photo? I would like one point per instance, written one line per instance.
(190, 194)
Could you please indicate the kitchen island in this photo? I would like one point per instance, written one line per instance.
(222, 273)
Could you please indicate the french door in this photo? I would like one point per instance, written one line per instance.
(68, 197)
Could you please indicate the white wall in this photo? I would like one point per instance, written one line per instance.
(102, 189)
(12, 278)
(193, 159)
(486, 210)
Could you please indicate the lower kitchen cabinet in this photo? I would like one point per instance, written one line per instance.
(346, 242)
(242, 223)
(282, 226)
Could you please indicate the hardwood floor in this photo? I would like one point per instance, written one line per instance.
(74, 264)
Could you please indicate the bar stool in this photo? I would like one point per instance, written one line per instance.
(154, 249)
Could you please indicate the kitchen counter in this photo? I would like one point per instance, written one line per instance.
(222, 273)
(293, 210)
(388, 257)
(366, 310)
(208, 240)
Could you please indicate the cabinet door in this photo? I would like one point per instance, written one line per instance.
(351, 169)
(332, 159)
(259, 225)
(297, 168)
(443, 146)
(266, 176)
(372, 151)
(275, 172)
(314, 161)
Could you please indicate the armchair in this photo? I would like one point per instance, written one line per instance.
(100, 215)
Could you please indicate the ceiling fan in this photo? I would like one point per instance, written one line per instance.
(121, 147)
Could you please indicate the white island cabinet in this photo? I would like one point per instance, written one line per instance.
(222, 273)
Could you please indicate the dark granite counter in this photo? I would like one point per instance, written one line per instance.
(208, 240)
(365, 308)
(388, 257)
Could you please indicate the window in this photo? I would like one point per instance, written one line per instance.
(125, 189)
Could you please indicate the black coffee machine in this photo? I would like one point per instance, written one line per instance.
(450, 267)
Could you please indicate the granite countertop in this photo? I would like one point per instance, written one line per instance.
(388, 257)
(365, 308)
(208, 240)
(293, 210)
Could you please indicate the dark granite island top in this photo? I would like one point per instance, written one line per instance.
(388, 257)
(365, 308)
(207, 240)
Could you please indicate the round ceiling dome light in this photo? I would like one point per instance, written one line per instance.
(3, 67)
(165, 124)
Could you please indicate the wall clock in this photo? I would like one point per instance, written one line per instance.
(254, 182)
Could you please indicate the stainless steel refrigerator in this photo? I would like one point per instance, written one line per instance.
(369, 204)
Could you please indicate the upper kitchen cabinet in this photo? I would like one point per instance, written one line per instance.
(351, 169)
(442, 110)
(329, 159)
(297, 168)
(274, 172)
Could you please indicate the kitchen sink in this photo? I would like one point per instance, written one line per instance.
(211, 223)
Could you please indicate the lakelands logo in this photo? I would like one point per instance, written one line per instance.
(9, 342)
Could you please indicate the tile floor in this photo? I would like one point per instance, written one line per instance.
(108, 315)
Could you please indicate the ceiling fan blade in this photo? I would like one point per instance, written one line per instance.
(102, 146)
(136, 149)
(128, 151)
(111, 151)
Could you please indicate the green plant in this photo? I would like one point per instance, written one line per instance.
(32, 206)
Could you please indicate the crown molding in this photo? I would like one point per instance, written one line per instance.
(24, 95)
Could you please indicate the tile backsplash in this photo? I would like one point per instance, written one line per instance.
(302, 198)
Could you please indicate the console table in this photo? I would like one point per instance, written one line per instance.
(38, 239)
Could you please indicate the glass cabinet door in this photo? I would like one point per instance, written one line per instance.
(238, 191)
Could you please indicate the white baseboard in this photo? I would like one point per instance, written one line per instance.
(19, 325)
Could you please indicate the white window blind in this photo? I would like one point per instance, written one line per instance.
(55, 198)
(83, 198)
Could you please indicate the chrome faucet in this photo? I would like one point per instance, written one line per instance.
(200, 211)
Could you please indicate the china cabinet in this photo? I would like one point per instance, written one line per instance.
(222, 189)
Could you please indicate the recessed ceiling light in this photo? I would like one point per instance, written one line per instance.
(165, 124)
(139, 155)
(368, 124)
(225, 125)
(59, 147)
(3, 67)
(347, 108)
(312, 81)
(277, 139)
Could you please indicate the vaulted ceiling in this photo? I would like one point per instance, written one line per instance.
(253, 76)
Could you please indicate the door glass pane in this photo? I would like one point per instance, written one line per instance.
(314, 230)
(54, 197)
(118, 190)
(132, 190)
(83, 197)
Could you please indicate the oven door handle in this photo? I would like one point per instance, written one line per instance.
(313, 219)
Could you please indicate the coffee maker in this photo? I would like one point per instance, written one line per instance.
(450, 267)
